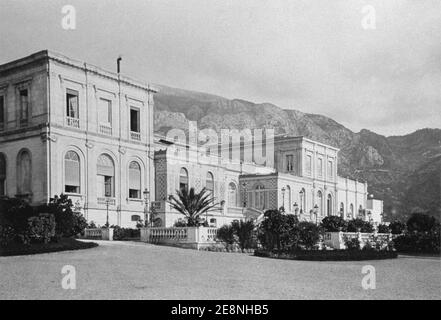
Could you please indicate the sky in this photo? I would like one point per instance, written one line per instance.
(315, 56)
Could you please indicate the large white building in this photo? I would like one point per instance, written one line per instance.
(69, 127)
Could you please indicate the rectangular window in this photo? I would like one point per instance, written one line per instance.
(134, 194)
(330, 170)
(72, 104)
(308, 165)
(108, 192)
(24, 105)
(320, 167)
(134, 120)
(105, 111)
(289, 163)
(2, 112)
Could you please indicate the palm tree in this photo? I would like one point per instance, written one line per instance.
(192, 204)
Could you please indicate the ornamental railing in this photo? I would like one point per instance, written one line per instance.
(190, 237)
(73, 122)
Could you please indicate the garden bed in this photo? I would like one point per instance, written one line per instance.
(62, 245)
(329, 255)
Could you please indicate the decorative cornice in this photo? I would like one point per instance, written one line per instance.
(48, 137)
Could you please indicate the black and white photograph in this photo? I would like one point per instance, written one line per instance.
(230, 152)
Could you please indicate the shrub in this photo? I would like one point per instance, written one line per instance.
(309, 234)
(226, 235)
(352, 243)
(420, 222)
(180, 223)
(272, 229)
(7, 235)
(334, 224)
(125, 233)
(329, 255)
(68, 222)
(92, 225)
(397, 227)
(419, 242)
(290, 237)
(15, 213)
(279, 231)
(357, 224)
(244, 230)
(41, 228)
(378, 243)
(383, 228)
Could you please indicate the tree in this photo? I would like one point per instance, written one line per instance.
(309, 234)
(193, 204)
(68, 222)
(397, 227)
(244, 232)
(226, 235)
(279, 231)
(420, 222)
(271, 229)
(383, 228)
(334, 224)
(358, 224)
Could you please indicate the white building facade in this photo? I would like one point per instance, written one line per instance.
(70, 127)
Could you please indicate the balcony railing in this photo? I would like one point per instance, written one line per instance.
(73, 122)
(104, 200)
(105, 129)
(135, 135)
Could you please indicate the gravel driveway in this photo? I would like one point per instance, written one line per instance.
(133, 270)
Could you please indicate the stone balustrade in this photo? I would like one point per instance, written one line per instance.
(99, 233)
(336, 240)
(187, 237)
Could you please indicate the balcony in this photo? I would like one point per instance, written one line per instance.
(73, 122)
(135, 136)
(105, 129)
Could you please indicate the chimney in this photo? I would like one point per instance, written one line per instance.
(118, 61)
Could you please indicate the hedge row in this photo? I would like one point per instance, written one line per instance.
(330, 255)
(61, 245)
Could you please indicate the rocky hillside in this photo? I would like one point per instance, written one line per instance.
(404, 171)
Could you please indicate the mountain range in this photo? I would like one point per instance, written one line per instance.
(404, 171)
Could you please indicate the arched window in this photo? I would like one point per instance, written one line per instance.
(2, 174)
(302, 200)
(105, 176)
(329, 205)
(71, 172)
(351, 210)
(24, 173)
(232, 195)
(210, 183)
(342, 210)
(320, 203)
(183, 179)
(134, 180)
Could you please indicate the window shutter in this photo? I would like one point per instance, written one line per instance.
(104, 170)
(72, 173)
(134, 179)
